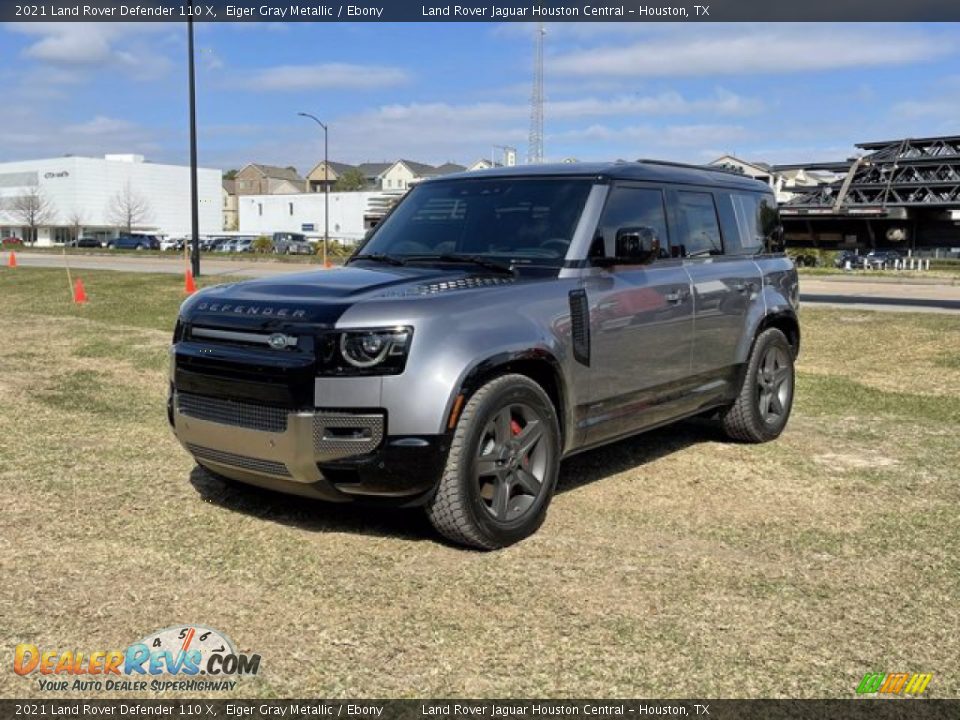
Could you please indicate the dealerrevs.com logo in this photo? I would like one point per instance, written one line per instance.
(180, 658)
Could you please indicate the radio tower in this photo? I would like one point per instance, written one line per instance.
(535, 143)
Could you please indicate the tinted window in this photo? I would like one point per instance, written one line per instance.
(757, 223)
(700, 230)
(629, 207)
(527, 220)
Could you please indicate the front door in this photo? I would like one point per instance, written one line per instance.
(641, 320)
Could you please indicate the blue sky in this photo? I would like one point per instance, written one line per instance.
(449, 92)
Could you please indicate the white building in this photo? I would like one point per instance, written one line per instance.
(85, 190)
(351, 213)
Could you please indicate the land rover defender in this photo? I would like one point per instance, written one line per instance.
(492, 324)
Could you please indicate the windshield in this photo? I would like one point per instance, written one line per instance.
(523, 221)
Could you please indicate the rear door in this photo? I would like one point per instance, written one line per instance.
(725, 278)
(641, 320)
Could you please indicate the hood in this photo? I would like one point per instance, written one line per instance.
(320, 297)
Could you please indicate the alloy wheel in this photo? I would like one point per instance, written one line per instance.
(511, 462)
(774, 385)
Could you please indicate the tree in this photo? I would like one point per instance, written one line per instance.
(128, 209)
(351, 181)
(32, 210)
(262, 244)
(230, 174)
(75, 220)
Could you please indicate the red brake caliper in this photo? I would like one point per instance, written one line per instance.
(516, 430)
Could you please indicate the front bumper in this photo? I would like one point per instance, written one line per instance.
(330, 455)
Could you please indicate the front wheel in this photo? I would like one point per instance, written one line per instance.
(763, 406)
(502, 467)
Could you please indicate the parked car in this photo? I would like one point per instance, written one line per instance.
(300, 247)
(84, 242)
(171, 243)
(12, 240)
(134, 242)
(845, 256)
(877, 259)
(283, 240)
(242, 245)
(226, 245)
(489, 327)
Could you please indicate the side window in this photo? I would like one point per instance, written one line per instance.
(699, 227)
(629, 207)
(757, 223)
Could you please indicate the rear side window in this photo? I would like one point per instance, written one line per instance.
(699, 226)
(757, 224)
(630, 207)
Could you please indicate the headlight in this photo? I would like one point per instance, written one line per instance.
(376, 351)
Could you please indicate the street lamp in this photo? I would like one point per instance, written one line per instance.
(194, 202)
(326, 185)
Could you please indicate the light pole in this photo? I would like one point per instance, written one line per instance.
(326, 185)
(194, 209)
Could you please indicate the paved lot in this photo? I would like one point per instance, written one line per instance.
(915, 295)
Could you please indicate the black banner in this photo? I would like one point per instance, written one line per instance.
(504, 709)
(481, 11)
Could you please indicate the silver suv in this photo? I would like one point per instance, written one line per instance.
(493, 324)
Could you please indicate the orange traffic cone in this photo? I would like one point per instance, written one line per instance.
(79, 293)
(12, 260)
(188, 284)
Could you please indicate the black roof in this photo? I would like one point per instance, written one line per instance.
(648, 170)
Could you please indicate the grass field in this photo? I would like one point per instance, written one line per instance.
(673, 564)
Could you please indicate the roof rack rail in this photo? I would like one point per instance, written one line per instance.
(714, 168)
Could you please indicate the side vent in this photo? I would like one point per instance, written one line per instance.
(580, 326)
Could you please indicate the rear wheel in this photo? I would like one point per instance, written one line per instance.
(763, 406)
(502, 467)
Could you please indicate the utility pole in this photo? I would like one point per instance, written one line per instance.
(535, 142)
(326, 184)
(194, 202)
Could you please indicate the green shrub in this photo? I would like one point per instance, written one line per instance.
(262, 244)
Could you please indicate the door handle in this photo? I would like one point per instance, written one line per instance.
(676, 297)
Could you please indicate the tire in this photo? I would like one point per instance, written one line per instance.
(495, 491)
(763, 404)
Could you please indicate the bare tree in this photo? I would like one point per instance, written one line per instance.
(128, 209)
(75, 220)
(32, 210)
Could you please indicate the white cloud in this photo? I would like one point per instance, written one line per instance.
(87, 43)
(753, 49)
(326, 75)
(100, 125)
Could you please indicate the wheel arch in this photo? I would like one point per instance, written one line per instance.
(537, 364)
(787, 323)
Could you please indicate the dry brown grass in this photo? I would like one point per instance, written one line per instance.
(673, 564)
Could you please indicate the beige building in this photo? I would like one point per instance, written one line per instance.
(229, 193)
(255, 179)
(404, 173)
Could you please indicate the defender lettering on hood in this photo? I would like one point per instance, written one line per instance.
(260, 310)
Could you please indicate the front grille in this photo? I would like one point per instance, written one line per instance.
(339, 436)
(241, 461)
(230, 412)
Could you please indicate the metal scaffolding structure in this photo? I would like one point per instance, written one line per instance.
(922, 172)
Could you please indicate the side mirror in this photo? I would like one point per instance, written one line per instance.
(637, 245)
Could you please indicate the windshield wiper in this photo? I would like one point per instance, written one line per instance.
(472, 259)
(380, 257)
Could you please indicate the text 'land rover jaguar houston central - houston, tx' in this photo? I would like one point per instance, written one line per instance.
(494, 323)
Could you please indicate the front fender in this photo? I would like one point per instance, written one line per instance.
(455, 336)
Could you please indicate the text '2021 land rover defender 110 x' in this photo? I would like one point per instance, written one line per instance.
(492, 324)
